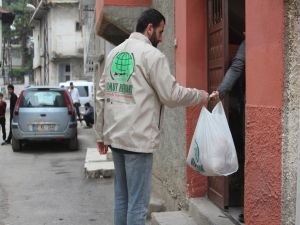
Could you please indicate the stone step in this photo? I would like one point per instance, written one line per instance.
(172, 218)
(156, 205)
(204, 212)
(97, 165)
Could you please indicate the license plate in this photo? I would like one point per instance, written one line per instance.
(45, 127)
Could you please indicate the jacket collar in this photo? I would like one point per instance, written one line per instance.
(140, 36)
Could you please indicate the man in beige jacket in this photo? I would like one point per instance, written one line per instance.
(135, 84)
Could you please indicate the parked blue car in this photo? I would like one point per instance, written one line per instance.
(44, 113)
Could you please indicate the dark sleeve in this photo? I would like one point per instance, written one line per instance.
(13, 102)
(236, 69)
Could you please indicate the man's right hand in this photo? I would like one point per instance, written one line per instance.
(205, 97)
(214, 96)
(102, 148)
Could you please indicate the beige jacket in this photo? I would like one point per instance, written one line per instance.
(135, 84)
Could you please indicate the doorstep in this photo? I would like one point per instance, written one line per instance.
(204, 212)
(172, 218)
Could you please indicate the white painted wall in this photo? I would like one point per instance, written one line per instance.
(65, 40)
(36, 39)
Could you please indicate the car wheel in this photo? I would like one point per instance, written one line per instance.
(73, 143)
(16, 145)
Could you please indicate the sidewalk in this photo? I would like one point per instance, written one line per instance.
(96, 165)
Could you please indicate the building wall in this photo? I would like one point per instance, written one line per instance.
(16, 54)
(291, 113)
(56, 40)
(191, 69)
(169, 162)
(36, 39)
(264, 104)
(64, 39)
(77, 69)
(40, 59)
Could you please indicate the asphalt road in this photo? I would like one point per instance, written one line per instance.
(45, 185)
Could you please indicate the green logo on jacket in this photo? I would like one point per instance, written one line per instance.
(122, 66)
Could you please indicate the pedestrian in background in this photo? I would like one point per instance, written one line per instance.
(88, 116)
(2, 115)
(12, 100)
(135, 85)
(75, 97)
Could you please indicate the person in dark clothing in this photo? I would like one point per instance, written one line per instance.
(13, 101)
(88, 116)
(233, 84)
(2, 116)
(234, 77)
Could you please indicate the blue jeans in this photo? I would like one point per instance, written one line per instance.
(132, 187)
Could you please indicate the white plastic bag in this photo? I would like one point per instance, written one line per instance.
(212, 151)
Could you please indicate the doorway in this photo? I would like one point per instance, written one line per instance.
(226, 26)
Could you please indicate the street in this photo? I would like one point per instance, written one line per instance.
(45, 184)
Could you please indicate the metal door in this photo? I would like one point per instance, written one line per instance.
(218, 45)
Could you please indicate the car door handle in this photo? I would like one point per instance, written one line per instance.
(43, 115)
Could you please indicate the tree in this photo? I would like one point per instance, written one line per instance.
(20, 34)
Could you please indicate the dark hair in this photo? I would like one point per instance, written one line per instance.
(10, 86)
(149, 16)
(87, 104)
(1, 95)
(71, 83)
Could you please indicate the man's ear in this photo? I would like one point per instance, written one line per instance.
(149, 30)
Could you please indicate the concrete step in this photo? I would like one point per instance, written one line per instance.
(156, 205)
(204, 212)
(172, 218)
(97, 165)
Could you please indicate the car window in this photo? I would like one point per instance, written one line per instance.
(83, 91)
(43, 98)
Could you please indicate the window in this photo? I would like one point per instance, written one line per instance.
(68, 68)
(78, 26)
(43, 98)
(83, 91)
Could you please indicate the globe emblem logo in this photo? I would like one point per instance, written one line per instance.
(122, 67)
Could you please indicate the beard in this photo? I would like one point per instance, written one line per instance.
(154, 40)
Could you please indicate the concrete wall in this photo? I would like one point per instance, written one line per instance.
(36, 39)
(169, 162)
(39, 59)
(65, 41)
(77, 69)
(291, 113)
(75, 74)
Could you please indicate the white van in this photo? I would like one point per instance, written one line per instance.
(85, 89)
